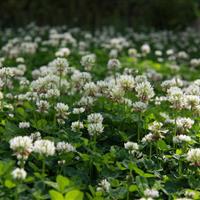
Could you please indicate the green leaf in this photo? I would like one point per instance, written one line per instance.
(133, 188)
(9, 184)
(179, 151)
(52, 184)
(162, 145)
(63, 182)
(56, 195)
(21, 112)
(134, 167)
(74, 195)
(40, 124)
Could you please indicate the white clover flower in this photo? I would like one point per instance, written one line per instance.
(139, 106)
(61, 64)
(151, 193)
(95, 129)
(182, 55)
(116, 93)
(144, 91)
(76, 126)
(43, 106)
(78, 110)
(126, 102)
(155, 126)
(35, 136)
(44, 147)
(182, 138)
(90, 89)
(20, 60)
(19, 174)
(140, 79)
(63, 52)
(22, 146)
(86, 101)
(131, 146)
(148, 138)
(113, 53)
(145, 48)
(158, 53)
(193, 156)
(24, 125)
(126, 81)
(53, 92)
(114, 64)
(6, 72)
(170, 52)
(184, 123)
(195, 62)
(80, 78)
(88, 61)
(192, 101)
(62, 110)
(95, 118)
(176, 97)
(65, 147)
(132, 52)
(104, 185)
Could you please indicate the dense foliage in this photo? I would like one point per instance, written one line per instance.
(103, 116)
(160, 14)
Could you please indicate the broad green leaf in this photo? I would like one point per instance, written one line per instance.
(63, 182)
(56, 195)
(162, 145)
(133, 188)
(52, 184)
(74, 195)
(9, 184)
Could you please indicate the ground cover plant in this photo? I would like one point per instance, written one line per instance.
(99, 116)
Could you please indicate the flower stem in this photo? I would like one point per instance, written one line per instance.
(43, 168)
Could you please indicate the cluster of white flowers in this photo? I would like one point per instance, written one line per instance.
(22, 146)
(61, 112)
(127, 82)
(63, 52)
(195, 62)
(151, 193)
(104, 185)
(132, 147)
(114, 64)
(95, 125)
(139, 106)
(88, 61)
(61, 64)
(144, 91)
(43, 106)
(24, 125)
(182, 138)
(65, 147)
(145, 48)
(77, 126)
(44, 147)
(78, 110)
(184, 123)
(19, 174)
(157, 132)
(193, 156)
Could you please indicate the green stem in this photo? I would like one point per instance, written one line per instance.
(150, 151)
(43, 168)
(139, 127)
(179, 167)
